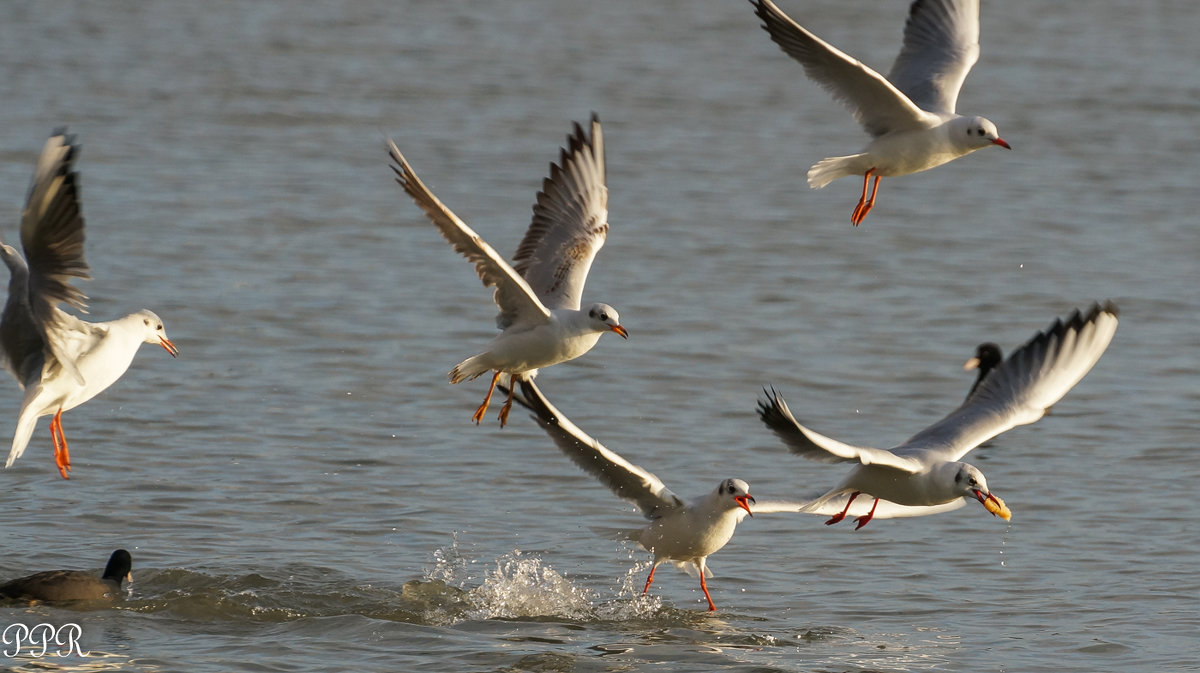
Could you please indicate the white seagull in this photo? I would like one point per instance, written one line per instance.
(910, 115)
(684, 533)
(539, 294)
(59, 360)
(923, 475)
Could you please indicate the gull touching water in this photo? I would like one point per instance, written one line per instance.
(910, 115)
(923, 475)
(539, 295)
(684, 533)
(59, 360)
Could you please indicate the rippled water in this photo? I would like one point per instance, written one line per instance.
(302, 491)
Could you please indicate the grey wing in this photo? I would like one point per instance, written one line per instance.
(52, 235)
(941, 43)
(802, 441)
(517, 301)
(570, 222)
(21, 342)
(835, 503)
(1019, 390)
(630, 482)
(876, 104)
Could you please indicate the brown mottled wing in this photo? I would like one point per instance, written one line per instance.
(570, 222)
(518, 303)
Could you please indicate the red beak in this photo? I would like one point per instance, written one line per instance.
(744, 501)
(620, 330)
(170, 347)
(1001, 143)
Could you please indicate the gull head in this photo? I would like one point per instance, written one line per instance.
(154, 333)
(737, 493)
(604, 318)
(976, 133)
(970, 483)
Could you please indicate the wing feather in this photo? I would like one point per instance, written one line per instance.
(801, 441)
(876, 104)
(570, 222)
(941, 44)
(628, 481)
(517, 301)
(1019, 390)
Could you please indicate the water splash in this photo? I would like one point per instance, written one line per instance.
(526, 587)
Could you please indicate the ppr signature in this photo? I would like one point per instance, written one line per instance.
(42, 640)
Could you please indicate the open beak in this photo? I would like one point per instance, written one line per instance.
(744, 501)
(1001, 143)
(994, 505)
(170, 347)
(973, 363)
(620, 330)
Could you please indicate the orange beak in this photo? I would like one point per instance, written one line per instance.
(744, 501)
(170, 347)
(1001, 143)
(620, 330)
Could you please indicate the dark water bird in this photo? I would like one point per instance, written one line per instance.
(73, 585)
(987, 356)
(924, 474)
(910, 114)
(59, 360)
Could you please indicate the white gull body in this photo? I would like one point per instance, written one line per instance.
(684, 533)
(910, 114)
(59, 360)
(540, 294)
(924, 475)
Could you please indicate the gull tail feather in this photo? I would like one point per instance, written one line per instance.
(829, 169)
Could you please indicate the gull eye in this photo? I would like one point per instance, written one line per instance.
(973, 482)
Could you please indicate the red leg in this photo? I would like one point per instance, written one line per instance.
(842, 515)
(864, 204)
(512, 386)
(62, 457)
(478, 415)
(866, 518)
(712, 607)
(649, 579)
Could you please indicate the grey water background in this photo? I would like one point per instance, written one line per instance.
(302, 490)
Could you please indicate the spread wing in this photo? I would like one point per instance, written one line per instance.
(517, 302)
(876, 104)
(628, 481)
(52, 237)
(801, 441)
(941, 43)
(1019, 390)
(570, 222)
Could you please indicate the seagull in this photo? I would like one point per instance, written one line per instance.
(684, 533)
(59, 360)
(987, 356)
(72, 585)
(923, 475)
(910, 115)
(539, 294)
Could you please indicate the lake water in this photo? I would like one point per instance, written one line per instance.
(302, 490)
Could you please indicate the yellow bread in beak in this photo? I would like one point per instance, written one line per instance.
(996, 506)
